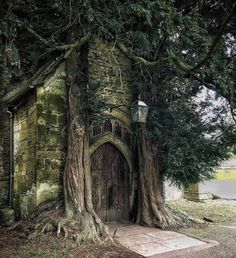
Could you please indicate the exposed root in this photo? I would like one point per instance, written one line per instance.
(81, 227)
(165, 217)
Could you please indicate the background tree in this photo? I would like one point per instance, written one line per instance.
(178, 48)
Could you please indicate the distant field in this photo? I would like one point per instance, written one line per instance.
(225, 174)
(224, 185)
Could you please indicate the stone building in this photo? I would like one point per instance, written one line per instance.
(222, 186)
(33, 138)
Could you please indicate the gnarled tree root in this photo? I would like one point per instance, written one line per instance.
(166, 217)
(82, 227)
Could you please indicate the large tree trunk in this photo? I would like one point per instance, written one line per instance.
(152, 211)
(79, 220)
(77, 177)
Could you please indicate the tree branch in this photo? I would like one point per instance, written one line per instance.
(180, 64)
(216, 87)
(36, 35)
(138, 59)
(77, 44)
(191, 69)
(31, 31)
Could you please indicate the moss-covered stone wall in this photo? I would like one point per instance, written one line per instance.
(51, 130)
(40, 128)
(108, 65)
(114, 71)
(24, 131)
(39, 145)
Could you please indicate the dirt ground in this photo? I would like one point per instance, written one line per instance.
(224, 234)
(223, 230)
(14, 246)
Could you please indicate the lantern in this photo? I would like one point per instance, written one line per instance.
(139, 111)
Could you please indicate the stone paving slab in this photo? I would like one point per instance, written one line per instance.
(150, 249)
(153, 242)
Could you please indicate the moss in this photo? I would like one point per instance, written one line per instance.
(23, 182)
(55, 164)
(41, 129)
(39, 107)
(52, 102)
(27, 203)
(61, 119)
(3, 190)
(24, 203)
(41, 120)
(7, 216)
(47, 192)
(16, 204)
(47, 119)
(48, 174)
(52, 119)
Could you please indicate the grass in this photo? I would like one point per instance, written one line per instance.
(216, 210)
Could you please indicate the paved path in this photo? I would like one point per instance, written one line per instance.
(152, 242)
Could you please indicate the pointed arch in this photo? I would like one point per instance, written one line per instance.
(117, 143)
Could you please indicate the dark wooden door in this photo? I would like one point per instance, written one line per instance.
(110, 183)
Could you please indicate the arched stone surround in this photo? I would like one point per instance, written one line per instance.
(101, 134)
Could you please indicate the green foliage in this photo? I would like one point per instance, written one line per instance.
(180, 31)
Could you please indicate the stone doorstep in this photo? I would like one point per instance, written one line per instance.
(160, 247)
(152, 242)
(127, 230)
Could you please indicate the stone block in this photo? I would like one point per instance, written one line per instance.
(7, 217)
(197, 196)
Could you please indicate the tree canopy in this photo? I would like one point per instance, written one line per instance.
(178, 49)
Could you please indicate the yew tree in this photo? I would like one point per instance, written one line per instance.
(179, 50)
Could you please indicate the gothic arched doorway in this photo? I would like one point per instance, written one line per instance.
(110, 183)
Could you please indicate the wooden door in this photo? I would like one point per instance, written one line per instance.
(110, 183)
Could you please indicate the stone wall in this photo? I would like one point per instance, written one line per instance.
(40, 129)
(108, 65)
(51, 128)
(4, 155)
(39, 145)
(172, 192)
(222, 186)
(4, 152)
(24, 135)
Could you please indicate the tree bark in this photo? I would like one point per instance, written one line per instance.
(77, 177)
(152, 211)
(78, 219)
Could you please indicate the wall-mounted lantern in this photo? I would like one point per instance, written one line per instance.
(139, 111)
